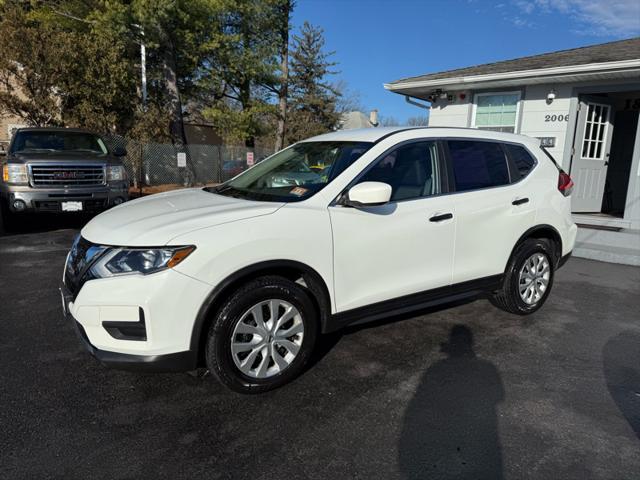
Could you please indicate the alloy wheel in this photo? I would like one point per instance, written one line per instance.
(534, 278)
(267, 338)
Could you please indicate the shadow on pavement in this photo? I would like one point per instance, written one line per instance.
(450, 428)
(328, 341)
(44, 222)
(621, 364)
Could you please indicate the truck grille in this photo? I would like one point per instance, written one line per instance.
(67, 175)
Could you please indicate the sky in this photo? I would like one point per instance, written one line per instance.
(378, 41)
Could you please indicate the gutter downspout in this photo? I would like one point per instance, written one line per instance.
(410, 101)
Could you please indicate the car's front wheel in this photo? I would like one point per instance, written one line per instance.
(528, 278)
(263, 335)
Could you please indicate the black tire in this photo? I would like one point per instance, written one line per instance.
(508, 298)
(7, 220)
(219, 358)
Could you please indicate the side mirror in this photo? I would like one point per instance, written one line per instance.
(120, 152)
(368, 194)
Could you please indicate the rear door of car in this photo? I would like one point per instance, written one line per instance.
(494, 204)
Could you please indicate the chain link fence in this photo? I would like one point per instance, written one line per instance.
(167, 165)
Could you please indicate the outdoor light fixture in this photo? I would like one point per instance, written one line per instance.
(551, 96)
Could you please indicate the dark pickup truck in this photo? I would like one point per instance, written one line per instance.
(60, 170)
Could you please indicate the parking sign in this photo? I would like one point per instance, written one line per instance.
(250, 160)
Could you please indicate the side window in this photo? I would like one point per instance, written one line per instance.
(522, 159)
(477, 164)
(411, 170)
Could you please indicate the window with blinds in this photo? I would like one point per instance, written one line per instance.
(496, 111)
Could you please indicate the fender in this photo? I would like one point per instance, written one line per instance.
(314, 281)
(542, 228)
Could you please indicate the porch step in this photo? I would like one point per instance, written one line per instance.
(607, 246)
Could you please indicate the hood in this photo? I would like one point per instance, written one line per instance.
(155, 220)
(70, 156)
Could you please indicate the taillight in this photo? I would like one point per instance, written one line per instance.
(565, 184)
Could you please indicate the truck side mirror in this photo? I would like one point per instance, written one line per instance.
(120, 152)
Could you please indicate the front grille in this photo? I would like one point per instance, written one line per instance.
(81, 257)
(51, 175)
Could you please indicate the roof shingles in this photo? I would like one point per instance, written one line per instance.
(606, 52)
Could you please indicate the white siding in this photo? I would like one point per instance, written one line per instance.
(451, 114)
(535, 112)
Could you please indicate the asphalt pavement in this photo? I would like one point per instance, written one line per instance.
(463, 392)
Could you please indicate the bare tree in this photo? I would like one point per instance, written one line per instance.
(420, 121)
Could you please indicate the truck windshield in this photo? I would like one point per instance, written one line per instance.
(57, 141)
(295, 173)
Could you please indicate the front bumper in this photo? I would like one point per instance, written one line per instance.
(168, 303)
(50, 200)
(170, 362)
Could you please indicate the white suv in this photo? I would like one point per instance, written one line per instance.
(343, 227)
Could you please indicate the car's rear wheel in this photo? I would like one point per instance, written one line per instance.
(262, 336)
(528, 278)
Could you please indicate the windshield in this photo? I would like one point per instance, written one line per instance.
(57, 141)
(294, 174)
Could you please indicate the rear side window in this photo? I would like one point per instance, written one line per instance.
(477, 164)
(522, 159)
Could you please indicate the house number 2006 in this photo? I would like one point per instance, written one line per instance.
(556, 118)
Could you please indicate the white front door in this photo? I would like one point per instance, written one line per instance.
(592, 145)
(386, 252)
(403, 247)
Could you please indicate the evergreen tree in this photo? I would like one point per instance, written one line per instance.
(313, 100)
(242, 77)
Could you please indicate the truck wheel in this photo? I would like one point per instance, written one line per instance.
(262, 336)
(6, 218)
(528, 278)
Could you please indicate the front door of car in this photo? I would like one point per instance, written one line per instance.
(402, 247)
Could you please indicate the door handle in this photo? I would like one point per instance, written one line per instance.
(520, 201)
(441, 217)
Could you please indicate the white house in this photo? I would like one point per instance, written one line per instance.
(583, 104)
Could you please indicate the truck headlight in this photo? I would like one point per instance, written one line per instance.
(116, 173)
(15, 173)
(124, 261)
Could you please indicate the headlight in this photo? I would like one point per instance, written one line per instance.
(15, 173)
(123, 261)
(115, 173)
